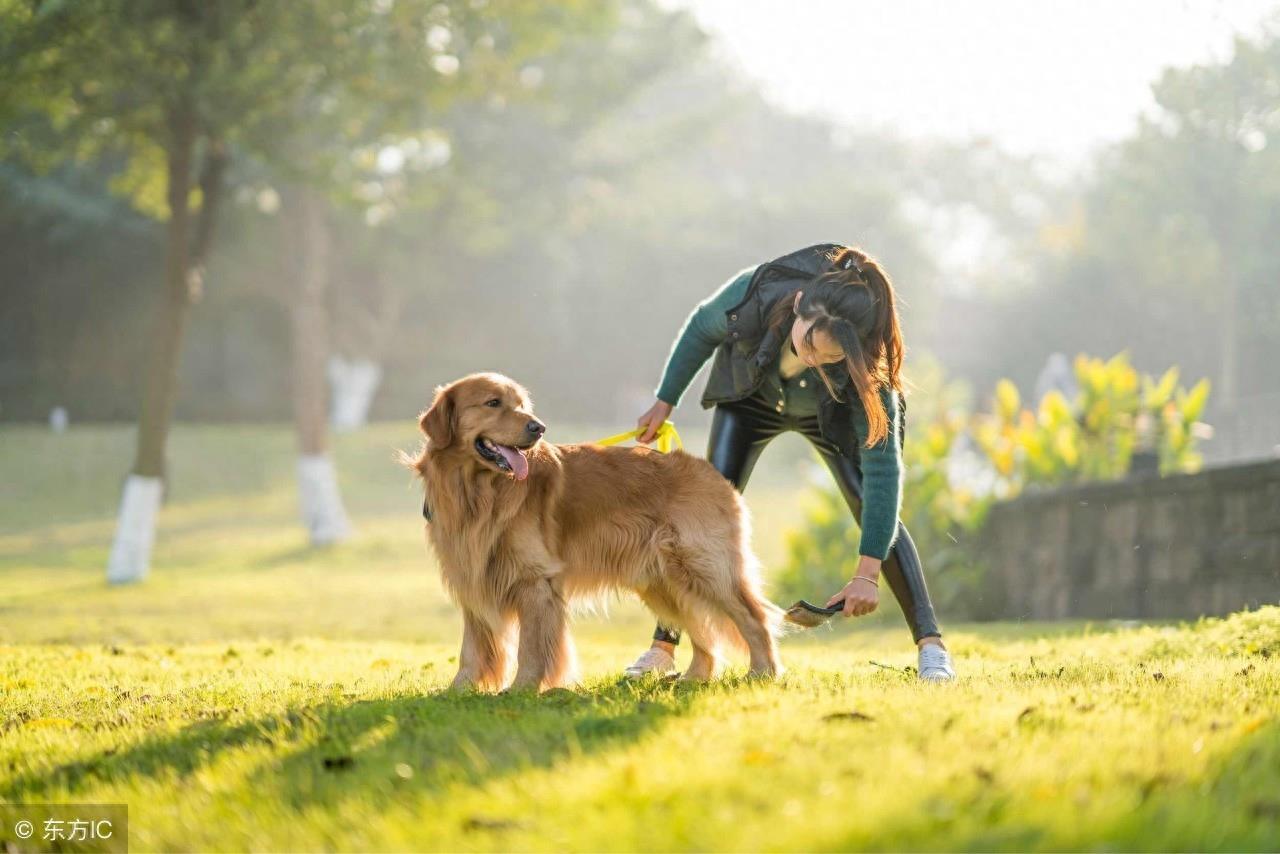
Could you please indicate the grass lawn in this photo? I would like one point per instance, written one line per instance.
(259, 694)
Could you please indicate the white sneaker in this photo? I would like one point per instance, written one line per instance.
(935, 664)
(656, 660)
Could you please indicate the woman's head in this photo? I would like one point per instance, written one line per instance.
(847, 315)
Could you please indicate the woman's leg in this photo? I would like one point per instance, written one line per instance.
(739, 433)
(902, 569)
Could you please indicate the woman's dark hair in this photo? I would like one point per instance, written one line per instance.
(852, 302)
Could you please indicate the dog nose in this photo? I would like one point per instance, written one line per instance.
(536, 428)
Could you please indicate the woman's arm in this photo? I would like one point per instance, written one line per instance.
(703, 331)
(882, 469)
(881, 502)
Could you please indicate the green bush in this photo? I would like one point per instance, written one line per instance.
(1116, 413)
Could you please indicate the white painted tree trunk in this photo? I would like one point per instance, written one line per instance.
(352, 384)
(130, 558)
(322, 510)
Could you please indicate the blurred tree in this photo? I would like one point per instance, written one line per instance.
(1184, 213)
(598, 212)
(172, 86)
(352, 143)
(58, 341)
(1167, 249)
(559, 225)
(144, 78)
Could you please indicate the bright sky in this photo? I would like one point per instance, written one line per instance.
(1038, 77)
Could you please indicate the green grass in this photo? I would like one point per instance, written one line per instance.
(258, 694)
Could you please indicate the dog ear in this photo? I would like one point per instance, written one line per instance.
(437, 422)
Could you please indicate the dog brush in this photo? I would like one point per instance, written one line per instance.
(808, 615)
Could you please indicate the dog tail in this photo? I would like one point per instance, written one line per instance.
(750, 584)
(774, 618)
(751, 593)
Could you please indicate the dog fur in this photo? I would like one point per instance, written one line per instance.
(586, 520)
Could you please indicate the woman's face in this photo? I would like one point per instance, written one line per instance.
(825, 350)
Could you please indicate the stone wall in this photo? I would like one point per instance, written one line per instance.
(1149, 547)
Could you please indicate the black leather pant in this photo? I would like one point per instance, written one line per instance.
(741, 430)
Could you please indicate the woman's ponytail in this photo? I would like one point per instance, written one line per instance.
(886, 330)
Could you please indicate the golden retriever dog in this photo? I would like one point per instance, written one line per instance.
(522, 528)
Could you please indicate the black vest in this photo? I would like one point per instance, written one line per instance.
(751, 347)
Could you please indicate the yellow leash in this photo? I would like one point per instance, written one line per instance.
(666, 439)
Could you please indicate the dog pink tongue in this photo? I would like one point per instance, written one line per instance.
(516, 459)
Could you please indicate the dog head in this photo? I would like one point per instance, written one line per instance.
(488, 417)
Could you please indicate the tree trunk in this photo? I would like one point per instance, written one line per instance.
(321, 503)
(171, 319)
(130, 558)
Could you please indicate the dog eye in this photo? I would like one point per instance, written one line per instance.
(494, 402)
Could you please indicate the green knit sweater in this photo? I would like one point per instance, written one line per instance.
(881, 465)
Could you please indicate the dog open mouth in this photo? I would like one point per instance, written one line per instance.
(506, 457)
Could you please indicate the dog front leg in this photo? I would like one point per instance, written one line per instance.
(546, 656)
(482, 659)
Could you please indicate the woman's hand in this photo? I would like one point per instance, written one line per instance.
(652, 420)
(862, 594)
